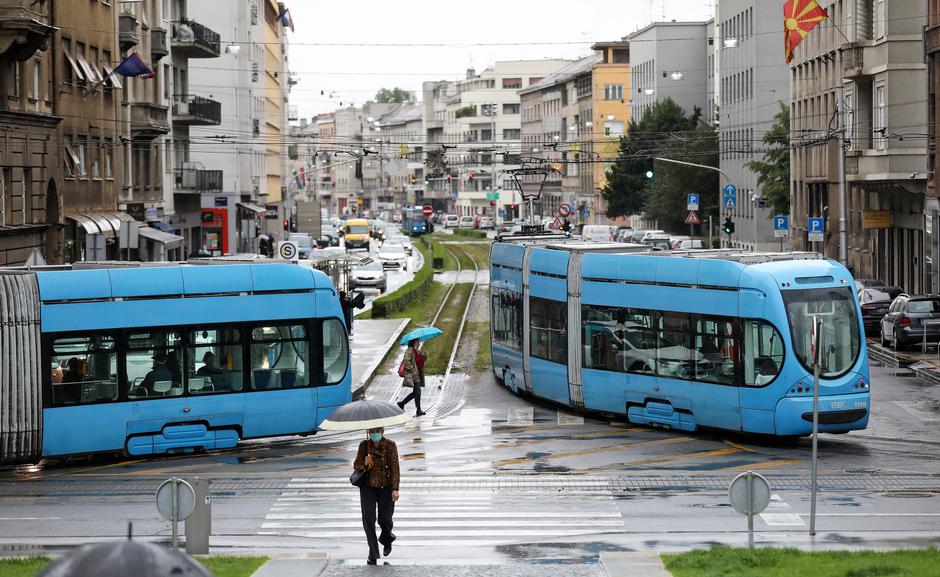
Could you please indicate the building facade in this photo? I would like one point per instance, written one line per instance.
(753, 81)
(932, 199)
(30, 201)
(880, 66)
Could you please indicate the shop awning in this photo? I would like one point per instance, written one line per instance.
(84, 222)
(257, 211)
(160, 225)
(171, 241)
(106, 223)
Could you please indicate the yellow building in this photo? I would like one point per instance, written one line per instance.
(611, 107)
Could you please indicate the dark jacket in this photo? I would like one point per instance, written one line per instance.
(384, 471)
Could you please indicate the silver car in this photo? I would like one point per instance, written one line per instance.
(393, 255)
(369, 275)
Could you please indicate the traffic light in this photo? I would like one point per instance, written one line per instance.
(729, 226)
(649, 174)
(492, 203)
(414, 180)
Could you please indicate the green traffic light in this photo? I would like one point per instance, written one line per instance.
(649, 174)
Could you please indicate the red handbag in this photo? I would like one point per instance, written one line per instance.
(402, 371)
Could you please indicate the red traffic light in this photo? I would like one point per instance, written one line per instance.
(492, 203)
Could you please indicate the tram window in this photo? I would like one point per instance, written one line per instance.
(153, 364)
(548, 330)
(335, 351)
(602, 338)
(84, 370)
(763, 353)
(507, 319)
(214, 362)
(674, 356)
(279, 357)
(714, 350)
(638, 341)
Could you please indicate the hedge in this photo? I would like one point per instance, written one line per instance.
(470, 233)
(411, 292)
(439, 255)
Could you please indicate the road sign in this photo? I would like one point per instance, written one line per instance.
(729, 198)
(692, 202)
(693, 218)
(781, 226)
(564, 209)
(749, 494)
(288, 250)
(428, 210)
(816, 227)
(556, 224)
(176, 500)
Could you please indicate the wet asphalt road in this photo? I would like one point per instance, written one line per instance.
(494, 477)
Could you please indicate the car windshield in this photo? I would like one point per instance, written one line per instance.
(924, 306)
(883, 294)
(841, 339)
(372, 266)
(357, 229)
(302, 240)
(392, 249)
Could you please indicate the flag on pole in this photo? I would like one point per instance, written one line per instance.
(285, 19)
(300, 177)
(134, 65)
(800, 16)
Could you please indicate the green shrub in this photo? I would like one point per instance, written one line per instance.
(470, 233)
(411, 292)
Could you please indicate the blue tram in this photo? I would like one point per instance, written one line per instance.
(158, 359)
(414, 222)
(715, 339)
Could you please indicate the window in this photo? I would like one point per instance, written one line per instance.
(548, 330)
(17, 78)
(106, 153)
(70, 158)
(486, 134)
(850, 120)
(153, 364)
(603, 338)
(511, 108)
(878, 19)
(714, 350)
(763, 353)
(880, 126)
(70, 70)
(513, 83)
(214, 361)
(613, 92)
(37, 75)
(613, 128)
(279, 357)
(512, 133)
(84, 370)
(674, 354)
(79, 148)
(840, 333)
(506, 315)
(335, 351)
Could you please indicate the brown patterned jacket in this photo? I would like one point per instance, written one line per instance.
(384, 471)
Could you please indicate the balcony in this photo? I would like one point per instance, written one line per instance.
(148, 121)
(933, 39)
(197, 181)
(853, 60)
(129, 36)
(190, 110)
(193, 40)
(24, 28)
(158, 46)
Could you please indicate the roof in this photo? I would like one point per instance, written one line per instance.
(409, 112)
(653, 25)
(576, 68)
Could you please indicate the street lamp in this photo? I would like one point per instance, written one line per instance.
(649, 92)
(730, 42)
(676, 75)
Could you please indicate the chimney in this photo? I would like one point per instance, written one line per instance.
(471, 73)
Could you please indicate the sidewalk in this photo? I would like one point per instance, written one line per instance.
(369, 343)
(618, 564)
(925, 365)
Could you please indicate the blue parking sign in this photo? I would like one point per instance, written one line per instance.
(781, 226)
(691, 202)
(729, 198)
(816, 227)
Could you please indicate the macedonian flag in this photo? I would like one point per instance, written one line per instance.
(800, 16)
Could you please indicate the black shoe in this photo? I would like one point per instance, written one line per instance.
(420, 414)
(401, 406)
(387, 550)
(371, 561)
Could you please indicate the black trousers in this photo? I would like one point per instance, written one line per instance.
(369, 499)
(414, 394)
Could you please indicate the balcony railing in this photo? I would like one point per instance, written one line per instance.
(25, 28)
(195, 181)
(193, 40)
(191, 110)
(933, 39)
(158, 46)
(853, 60)
(148, 121)
(129, 34)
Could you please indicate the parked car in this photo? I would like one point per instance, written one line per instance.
(451, 221)
(675, 240)
(875, 303)
(465, 222)
(393, 256)
(369, 275)
(487, 222)
(304, 242)
(596, 233)
(624, 235)
(861, 283)
(638, 235)
(691, 244)
(904, 324)
(651, 233)
(658, 242)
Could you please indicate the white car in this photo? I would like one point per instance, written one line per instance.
(451, 220)
(691, 244)
(487, 222)
(465, 222)
(393, 256)
(651, 233)
(596, 233)
(404, 241)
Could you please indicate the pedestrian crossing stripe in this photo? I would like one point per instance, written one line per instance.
(777, 514)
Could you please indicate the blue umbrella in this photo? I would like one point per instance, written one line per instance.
(422, 334)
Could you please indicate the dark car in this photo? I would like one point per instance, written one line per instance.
(910, 319)
(875, 303)
(862, 283)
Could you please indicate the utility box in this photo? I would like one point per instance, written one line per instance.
(199, 523)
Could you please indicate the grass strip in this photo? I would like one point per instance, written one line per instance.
(769, 562)
(22, 566)
(484, 359)
(439, 349)
(220, 565)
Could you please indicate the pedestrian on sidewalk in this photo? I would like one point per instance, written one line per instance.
(379, 456)
(414, 376)
(346, 303)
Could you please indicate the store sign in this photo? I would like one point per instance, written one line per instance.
(221, 201)
(270, 212)
(877, 219)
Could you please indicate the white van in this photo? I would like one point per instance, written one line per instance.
(596, 232)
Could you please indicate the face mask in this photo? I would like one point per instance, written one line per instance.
(376, 437)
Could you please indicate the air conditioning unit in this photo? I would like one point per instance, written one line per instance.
(255, 71)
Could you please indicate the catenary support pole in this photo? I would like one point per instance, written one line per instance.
(843, 195)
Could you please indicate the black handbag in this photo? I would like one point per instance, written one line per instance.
(359, 478)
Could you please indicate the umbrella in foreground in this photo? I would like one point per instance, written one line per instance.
(422, 334)
(366, 414)
(122, 558)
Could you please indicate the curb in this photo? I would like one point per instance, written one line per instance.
(360, 387)
(926, 370)
(633, 564)
(309, 565)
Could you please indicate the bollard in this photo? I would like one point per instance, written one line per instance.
(199, 523)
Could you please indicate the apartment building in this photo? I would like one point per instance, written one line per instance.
(932, 199)
(30, 198)
(401, 145)
(881, 66)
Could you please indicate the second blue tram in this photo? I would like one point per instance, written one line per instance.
(715, 339)
(414, 222)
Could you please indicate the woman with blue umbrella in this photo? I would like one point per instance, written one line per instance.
(412, 366)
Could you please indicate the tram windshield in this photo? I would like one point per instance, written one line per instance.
(841, 340)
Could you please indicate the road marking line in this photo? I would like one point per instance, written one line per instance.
(926, 411)
(520, 417)
(782, 520)
(763, 465)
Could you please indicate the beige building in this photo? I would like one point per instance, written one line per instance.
(30, 183)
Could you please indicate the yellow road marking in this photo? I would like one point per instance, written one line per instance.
(764, 465)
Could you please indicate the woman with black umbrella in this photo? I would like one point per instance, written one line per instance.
(378, 457)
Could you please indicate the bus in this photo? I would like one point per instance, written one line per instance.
(159, 359)
(682, 340)
(414, 222)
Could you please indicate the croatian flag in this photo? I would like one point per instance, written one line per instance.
(134, 65)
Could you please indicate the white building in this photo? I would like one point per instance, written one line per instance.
(670, 60)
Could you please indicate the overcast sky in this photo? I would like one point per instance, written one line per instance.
(353, 74)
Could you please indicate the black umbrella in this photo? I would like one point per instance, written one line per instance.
(124, 558)
(365, 414)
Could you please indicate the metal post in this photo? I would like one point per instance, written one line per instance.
(843, 235)
(493, 186)
(817, 361)
(709, 230)
(175, 506)
(750, 510)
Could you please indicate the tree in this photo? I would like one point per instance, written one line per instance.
(773, 171)
(387, 95)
